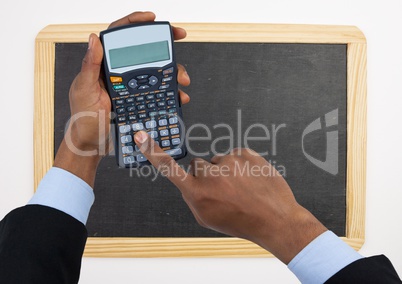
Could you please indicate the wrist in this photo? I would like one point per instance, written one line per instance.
(83, 166)
(293, 233)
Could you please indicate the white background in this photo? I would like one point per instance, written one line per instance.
(379, 20)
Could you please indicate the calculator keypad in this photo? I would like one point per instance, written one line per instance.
(152, 111)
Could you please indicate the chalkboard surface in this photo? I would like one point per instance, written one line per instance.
(275, 91)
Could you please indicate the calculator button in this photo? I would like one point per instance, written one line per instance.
(137, 149)
(124, 128)
(128, 160)
(139, 98)
(174, 152)
(142, 87)
(164, 132)
(165, 143)
(150, 97)
(142, 115)
(161, 104)
(163, 87)
(168, 71)
(173, 120)
(126, 139)
(150, 124)
(119, 102)
(153, 113)
(141, 158)
(132, 83)
(172, 110)
(162, 122)
(115, 79)
(137, 126)
(132, 117)
(121, 118)
(119, 87)
(127, 149)
(162, 112)
(176, 141)
(141, 107)
(151, 105)
(142, 77)
(160, 95)
(130, 100)
(131, 108)
(124, 93)
(153, 80)
(153, 134)
(171, 102)
(174, 131)
(120, 110)
(167, 79)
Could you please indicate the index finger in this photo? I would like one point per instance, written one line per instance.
(137, 17)
(164, 163)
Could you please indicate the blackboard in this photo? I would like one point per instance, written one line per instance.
(295, 96)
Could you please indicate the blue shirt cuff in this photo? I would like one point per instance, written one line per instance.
(66, 192)
(322, 258)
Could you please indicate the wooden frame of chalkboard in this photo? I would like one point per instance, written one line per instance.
(212, 32)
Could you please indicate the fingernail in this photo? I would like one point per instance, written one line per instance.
(185, 73)
(141, 137)
(90, 41)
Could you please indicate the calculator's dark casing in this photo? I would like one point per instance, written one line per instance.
(128, 76)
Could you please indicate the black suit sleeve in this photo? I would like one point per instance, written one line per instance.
(39, 244)
(376, 269)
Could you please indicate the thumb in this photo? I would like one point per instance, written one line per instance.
(92, 62)
(164, 163)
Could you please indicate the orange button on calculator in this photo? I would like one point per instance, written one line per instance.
(116, 79)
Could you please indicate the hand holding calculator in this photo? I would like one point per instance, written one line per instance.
(141, 79)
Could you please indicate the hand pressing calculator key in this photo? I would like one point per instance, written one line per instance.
(141, 78)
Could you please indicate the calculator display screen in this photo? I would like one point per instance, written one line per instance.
(139, 54)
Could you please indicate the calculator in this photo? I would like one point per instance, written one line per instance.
(140, 74)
